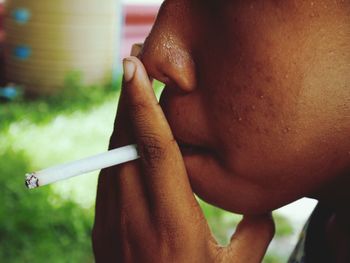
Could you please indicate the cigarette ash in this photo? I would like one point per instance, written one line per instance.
(31, 181)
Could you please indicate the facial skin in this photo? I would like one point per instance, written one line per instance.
(263, 88)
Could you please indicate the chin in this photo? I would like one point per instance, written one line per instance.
(216, 186)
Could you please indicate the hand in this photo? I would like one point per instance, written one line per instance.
(146, 210)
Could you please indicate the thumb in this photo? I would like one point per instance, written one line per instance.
(251, 239)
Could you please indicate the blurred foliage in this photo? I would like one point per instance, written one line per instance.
(222, 223)
(272, 258)
(283, 227)
(43, 226)
(158, 87)
(42, 109)
(38, 226)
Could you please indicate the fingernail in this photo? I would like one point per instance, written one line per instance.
(129, 69)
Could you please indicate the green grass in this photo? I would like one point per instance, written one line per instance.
(38, 226)
(44, 225)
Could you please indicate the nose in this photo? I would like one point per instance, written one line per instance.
(166, 52)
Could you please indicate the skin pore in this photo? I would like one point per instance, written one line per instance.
(262, 87)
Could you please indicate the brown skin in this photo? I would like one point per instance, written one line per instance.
(145, 210)
(267, 92)
(263, 87)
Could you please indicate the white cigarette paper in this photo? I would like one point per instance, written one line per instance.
(89, 164)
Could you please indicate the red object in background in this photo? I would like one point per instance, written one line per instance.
(138, 22)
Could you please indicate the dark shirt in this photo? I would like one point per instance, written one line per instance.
(312, 245)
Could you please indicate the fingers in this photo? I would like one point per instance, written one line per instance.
(162, 162)
(118, 188)
(122, 134)
(251, 239)
(136, 49)
(126, 178)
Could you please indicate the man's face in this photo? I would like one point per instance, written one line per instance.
(260, 89)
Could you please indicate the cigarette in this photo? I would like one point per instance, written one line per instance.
(86, 165)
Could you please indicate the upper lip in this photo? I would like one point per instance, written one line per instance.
(186, 137)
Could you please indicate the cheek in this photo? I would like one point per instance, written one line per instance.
(252, 107)
(270, 132)
(282, 147)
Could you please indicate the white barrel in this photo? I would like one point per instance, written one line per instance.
(48, 40)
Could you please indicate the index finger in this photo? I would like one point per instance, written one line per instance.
(162, 162)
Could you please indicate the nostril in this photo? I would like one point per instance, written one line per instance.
(180, 75)
(164, 79)
(174, 66)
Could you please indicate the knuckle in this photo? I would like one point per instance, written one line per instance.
(140, 109)
(152, 149)
(142, 112)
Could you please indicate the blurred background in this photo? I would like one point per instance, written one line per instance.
(59, 88)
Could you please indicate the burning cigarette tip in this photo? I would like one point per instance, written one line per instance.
(70, 169)
(31, 181)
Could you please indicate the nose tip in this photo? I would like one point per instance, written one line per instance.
(168, 61)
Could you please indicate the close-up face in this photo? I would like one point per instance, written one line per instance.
(257, 95)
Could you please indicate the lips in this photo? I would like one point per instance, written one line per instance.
(191, 149)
